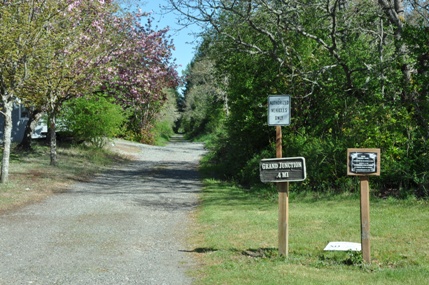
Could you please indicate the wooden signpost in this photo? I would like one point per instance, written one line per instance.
(281, 170)
(364, 162)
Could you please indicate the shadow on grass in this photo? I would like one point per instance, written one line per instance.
(326, 260)
(262, 253)
(201, 250)
(266, 253)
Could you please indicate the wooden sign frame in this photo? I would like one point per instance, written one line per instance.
(366, 152)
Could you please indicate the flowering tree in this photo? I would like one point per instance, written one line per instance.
(140, 69)
(93, 48)
(51, 51)
(79, 42)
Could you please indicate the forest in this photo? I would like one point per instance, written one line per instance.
(356, 71)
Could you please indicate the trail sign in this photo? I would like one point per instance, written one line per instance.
(286, 169)
(278, 116)
(279, 110)
(363, 161)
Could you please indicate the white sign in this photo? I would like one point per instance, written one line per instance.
(343, 246)
(279, 110)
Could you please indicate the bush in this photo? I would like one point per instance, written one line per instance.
(92, 119)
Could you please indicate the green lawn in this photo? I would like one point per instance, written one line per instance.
(236, 239)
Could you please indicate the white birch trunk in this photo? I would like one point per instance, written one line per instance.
(53, 138)
(7, 139)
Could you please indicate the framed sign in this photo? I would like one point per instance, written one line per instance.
(278, 110)
(282, 169)
(363, 161)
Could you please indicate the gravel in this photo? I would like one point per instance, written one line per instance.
(128, 225)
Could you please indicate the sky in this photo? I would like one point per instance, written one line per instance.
(184, 42)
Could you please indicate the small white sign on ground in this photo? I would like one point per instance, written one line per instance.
(343, 246)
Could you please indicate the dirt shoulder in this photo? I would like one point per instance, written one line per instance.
(32, 179)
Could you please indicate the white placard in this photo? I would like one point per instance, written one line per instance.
(343, 246)
(279, 110)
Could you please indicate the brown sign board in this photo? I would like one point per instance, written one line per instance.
(286, 169)
(363, 161)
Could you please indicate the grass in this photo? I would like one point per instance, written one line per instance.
(32, 179)
(236, 239)
(163, 131)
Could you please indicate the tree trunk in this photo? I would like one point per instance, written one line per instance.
(53, 138)
(33, 118)
(395, 12)
(7, 139)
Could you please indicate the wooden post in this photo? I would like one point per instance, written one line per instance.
(364, 162)
(283, 190)
(279, 144)
(364, 212)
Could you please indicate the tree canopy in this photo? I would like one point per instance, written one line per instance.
(357, 74)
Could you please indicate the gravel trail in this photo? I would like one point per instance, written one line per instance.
(127, 226)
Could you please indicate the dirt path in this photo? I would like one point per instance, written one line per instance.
(127, 226)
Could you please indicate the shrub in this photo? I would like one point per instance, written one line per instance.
(92, 119)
